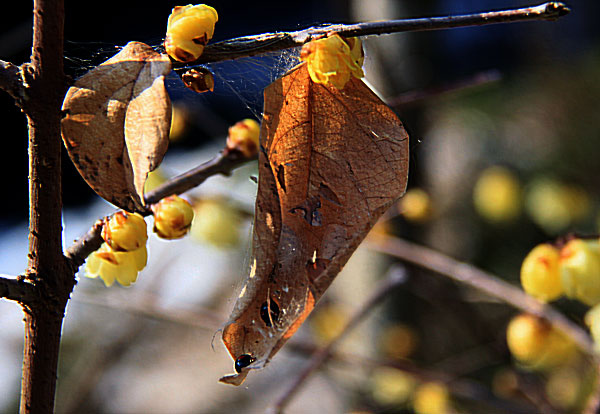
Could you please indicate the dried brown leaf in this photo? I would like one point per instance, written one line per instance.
(331, 162)
(116, 124)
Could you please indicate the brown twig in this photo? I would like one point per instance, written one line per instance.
(17, 289)
(11, 81)
(469, 275)
(225, 162)
(460, 387)
(384, 288)
(271, 42)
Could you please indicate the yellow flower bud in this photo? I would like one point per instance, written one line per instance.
(189, 29)
(328, 322)
(125, 231)
(540, 275)
(120, 266)
(415, 205)
(243, 137)
(580, 270)
(497, 195)
(398, 341)
(536, 344)
(216, 222)
(391, 386)
(333, 60)
(172, 217)
(431, 398)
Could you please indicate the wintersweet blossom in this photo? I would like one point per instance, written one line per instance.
(172, 217)
(188, 30)
(243, 136)
(333, 60)
(111, 265)
(125, 231)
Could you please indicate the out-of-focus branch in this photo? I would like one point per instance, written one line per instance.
(11, 81)
(469, 275)
(271, 42)
(384, 288)
(224, 163)
(17, 289)
(460, 387)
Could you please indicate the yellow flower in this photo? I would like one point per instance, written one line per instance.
(497, 195)
(431, 398)
(580, 270)
(592, 320)
(172, 217)
(415, 206)
(216, 222)
(333, 60)
(243, 137)
(540, 275)
(189, 29)
(120, 266)
(390, 386)
(536, 344)
(125, 231)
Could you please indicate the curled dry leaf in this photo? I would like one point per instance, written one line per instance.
(331, 162)
(116, 124)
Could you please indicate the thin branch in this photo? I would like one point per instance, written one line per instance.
(17, 289)
(272, 42)
(460, 387)
(224, 163)
(485, 282)
(384, 288)
(11, 81)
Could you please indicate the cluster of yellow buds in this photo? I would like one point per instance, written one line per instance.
(573, 270)
(334, 60)
(123, 253)
(536, 344)
(172, 217)
(243, 136)
(188, 30)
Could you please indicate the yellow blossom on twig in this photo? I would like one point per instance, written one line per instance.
(120, 266)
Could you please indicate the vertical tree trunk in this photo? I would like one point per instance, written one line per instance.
(47, 268)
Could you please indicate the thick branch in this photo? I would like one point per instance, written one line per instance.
(271, 42)
(17, 289)
(469, 275)
(10, 80)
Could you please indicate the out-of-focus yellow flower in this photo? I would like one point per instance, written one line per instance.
(243, 136)
(592, 320)
(415, 205)
(563, 387)
(328, 321)
(505, 383)
(333, 60)
(580, 270)
(536, 344)
(155, 179)
(189, 29)
(540, 275)
(120, 266)
(216, 222)
(172, 217)
(398, 341)
(554, 206)
(497, 195)
(391, 386)
(431, 398)
(179, 122)
(125, 231)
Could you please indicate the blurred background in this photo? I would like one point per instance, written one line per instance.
(505, 129)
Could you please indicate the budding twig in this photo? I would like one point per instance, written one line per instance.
(272, 42)
(10, 80)
(17, 289)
